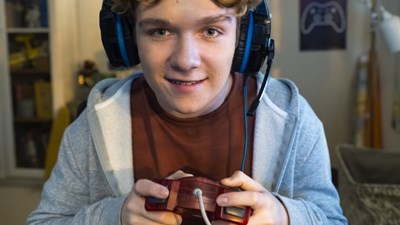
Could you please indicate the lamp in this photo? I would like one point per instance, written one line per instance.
(390, 27)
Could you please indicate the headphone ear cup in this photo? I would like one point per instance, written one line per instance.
(241, 49)
(254, 41)
(117, 38)
(130, 42)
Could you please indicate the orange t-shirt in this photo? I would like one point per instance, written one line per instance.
(209, 146)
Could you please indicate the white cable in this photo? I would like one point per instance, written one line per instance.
(199, 193)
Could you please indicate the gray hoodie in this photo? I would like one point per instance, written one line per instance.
(93, 174)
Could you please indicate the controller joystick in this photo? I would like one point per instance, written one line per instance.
(182, 200)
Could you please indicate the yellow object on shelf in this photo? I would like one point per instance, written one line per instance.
(61, 121)
(29, 52)
(43, 100)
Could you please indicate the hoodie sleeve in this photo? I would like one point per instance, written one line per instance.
(315, 199)
(74, 194)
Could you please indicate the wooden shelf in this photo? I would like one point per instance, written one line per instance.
(32, 120)
(23, 30)
(28, 59)
(17, 72)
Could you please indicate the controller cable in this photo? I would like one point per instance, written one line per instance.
(199, 194)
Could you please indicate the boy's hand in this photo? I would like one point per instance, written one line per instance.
(267, 209)
(133, 211)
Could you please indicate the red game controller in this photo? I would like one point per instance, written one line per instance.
(182, 200)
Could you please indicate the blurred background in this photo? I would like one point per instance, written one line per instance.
(344, 55)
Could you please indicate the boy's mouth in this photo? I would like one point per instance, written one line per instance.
(188, 83)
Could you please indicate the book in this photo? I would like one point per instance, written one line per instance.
(43, 99)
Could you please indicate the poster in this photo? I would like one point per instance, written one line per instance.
(323, 24)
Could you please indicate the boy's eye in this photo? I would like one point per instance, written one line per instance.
(211, 32)
(160, 32)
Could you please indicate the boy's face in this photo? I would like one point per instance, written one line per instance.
(186, 49)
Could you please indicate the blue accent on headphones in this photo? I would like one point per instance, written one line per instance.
(248, 43)
(121, 41)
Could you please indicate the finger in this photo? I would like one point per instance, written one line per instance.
(219, 222)
(241, 180)
(179, 174)
(136, 213)
(251, 199)
(146, 187)
(167, 218)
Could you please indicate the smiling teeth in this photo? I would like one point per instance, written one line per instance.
(184, 83)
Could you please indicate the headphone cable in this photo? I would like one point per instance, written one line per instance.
(254, 105)
(246, 129)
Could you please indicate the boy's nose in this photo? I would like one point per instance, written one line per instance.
(185, 56)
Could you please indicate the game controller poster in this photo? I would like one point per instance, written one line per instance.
(323, 24)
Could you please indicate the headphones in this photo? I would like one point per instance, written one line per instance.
(254, 41)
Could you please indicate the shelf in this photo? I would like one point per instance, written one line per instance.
(27, 59)
(36, 79)
(27, 172)
(32, 120)
(24, 72)
(23, 30)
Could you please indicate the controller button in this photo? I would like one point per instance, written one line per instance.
(235, 211)
(156, 201)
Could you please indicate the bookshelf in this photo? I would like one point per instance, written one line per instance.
(38, 66)
(27, 57)
(26, 84)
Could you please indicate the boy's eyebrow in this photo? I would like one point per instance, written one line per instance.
(153, 22)
(217, 18)
(206, 20)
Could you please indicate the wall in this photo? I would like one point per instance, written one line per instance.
(89, 40)
(64, 49)
(325, 78)
(89, 43)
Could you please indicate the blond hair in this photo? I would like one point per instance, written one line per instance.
(241, 6)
